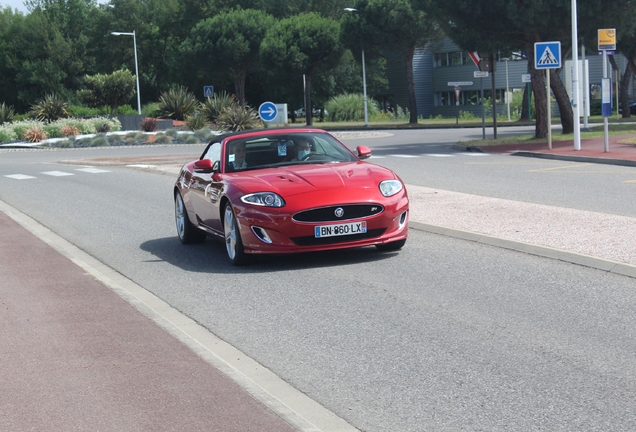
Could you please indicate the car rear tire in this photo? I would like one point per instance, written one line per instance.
(233, 242)
(187, 233)
(393, 246)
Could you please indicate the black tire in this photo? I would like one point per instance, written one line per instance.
(187, 233)
(233, 241)
(393, 246)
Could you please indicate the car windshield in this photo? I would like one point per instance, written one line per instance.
(285, 149)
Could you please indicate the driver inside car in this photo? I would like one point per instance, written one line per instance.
(303, 149)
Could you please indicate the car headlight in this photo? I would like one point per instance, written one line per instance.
(265, 199)
(390, 187)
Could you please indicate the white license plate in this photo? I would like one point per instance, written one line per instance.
(340, 229)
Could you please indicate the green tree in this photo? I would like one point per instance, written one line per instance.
(232, 40)
(390, 25)
(110, 91)
(304, 43)
(519, 24)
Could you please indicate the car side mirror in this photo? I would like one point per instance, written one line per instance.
(364, 152)
(206, 166)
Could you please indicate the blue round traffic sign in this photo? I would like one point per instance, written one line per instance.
(267, 111)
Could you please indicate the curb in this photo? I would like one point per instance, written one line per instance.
(597, 160)
(542, 251)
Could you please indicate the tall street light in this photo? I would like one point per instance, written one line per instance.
(364, 81)
(136, 66)
(507, 91)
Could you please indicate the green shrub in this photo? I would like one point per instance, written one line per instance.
(212, 107)
(125, 110)
(350, 107)
(237, 118)
(171, 132)
(6, 113)
(181, 138)
(204, 134)
(7, 134)
(163, 139)
(100, 141)
(114, 139)
(177, 103)
(83, 111)
(50, 108)
(151, 110)
(67, 143)
(130, 141)
(53, 130)
(191, 139)
(466, 116)
(195, 121)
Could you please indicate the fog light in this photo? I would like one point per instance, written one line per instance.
(261, 234)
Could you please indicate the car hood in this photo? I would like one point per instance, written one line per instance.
(301, 179)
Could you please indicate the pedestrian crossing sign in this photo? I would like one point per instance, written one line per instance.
(547, 55)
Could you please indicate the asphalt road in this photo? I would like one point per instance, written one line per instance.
(445, 335)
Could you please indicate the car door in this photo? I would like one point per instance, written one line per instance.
(205, 190)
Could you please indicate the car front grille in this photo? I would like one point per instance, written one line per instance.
(313, 241)
(328, 214)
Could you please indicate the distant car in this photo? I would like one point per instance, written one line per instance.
(279, 203)
(300, 112)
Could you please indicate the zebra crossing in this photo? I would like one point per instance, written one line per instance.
(95, 170)
(87, 170)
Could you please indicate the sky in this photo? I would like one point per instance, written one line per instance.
(19, 5)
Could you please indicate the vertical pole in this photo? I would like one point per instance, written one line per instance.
(618, 78)
(494, 95)
(547, 74)
(529, 104)
(483, 111)
(605, 119)
(586, 90)
(137, 74)
(575, 81)
(507, 90)
(364, 88)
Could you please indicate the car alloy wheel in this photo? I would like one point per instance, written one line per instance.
(233, 242)
(185, 230)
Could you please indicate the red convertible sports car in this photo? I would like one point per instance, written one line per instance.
(277, 191)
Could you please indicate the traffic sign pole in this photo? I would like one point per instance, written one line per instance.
(547, 74)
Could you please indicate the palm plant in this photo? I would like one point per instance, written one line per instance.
(212, 107)
(237, 118)
(50, 108)
(177, 103)
(6, 113)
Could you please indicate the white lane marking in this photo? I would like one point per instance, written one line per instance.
(92, 170)
(20, 176)
(57, 173)
(404, 156)
(439, 155)
(473, 154)
(140, 166)
(376, 157)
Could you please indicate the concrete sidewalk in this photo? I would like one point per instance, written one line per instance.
(75, 356)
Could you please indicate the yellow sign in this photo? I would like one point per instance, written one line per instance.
(607, 39)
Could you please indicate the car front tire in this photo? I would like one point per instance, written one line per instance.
(233, 241)
(187, 233)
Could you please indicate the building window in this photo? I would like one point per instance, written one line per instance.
(456, 58)
(441, 59)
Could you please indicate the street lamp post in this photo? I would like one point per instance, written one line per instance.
(507, 87)
(136, 65)
(364, 81)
